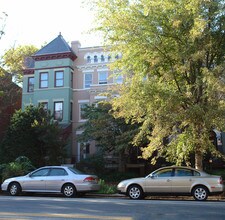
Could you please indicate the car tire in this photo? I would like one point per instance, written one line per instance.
(135, 192)
(69, 190)
(200, 193)
(14, 189)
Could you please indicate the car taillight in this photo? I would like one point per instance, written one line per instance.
(220, 180)
(90, 179)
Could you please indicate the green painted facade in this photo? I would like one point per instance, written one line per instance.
(52, 93)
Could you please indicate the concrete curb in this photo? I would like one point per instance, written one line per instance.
(219, 198)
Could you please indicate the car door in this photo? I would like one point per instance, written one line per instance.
(36, 181)
(160, 181)
(182, 180)
(56, 178)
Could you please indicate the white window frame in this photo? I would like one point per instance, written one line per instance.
(91, 82)
(80, 103)
(118, 79)
(103, 82)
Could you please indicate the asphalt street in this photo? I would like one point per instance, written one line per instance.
(115, 208)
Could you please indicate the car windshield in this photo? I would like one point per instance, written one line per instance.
(75, 171)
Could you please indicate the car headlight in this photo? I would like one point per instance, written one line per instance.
(121, 185)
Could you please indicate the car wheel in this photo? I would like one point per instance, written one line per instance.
(200, 193)
(135, 192)
(14, 189)
(69, 190)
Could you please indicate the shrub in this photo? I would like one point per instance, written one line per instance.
(19, 167)
(106, 188)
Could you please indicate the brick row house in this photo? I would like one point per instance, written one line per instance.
(64, 79)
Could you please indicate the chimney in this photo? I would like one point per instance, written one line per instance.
(75, 45)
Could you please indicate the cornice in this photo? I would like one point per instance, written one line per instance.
(54, 56)
(28, 71)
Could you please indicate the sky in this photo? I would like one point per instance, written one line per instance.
(37, 22)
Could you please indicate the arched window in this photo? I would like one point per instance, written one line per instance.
(95, 58)
(88, 59)
(102, 58)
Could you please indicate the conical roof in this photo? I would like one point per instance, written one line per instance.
(56, 46)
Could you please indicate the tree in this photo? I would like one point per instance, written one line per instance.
(34, 134)
(173, 60)
(9, 101)
(13, 61)
(2, 26)
(3, 17)
(111, 134)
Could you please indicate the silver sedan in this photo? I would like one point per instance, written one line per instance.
(52, 179)
(173, 180)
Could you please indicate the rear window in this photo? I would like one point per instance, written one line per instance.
(183, 172)
(196, 173)
(75, 171)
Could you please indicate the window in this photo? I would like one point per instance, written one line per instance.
(45, 105)
(58, 111)
(87, 80)
(58, 172)
(196, 173)
(42, 172)
(119, 79)
(102, 58)
(102, 78)
(95, 58)
(85, 149)
(82, 112)
(59, 78)
(163, 173)
(183, 172)
(71, 111)
(109, 58)
(30, 87)
(71, 80)
(88, 59)
(43, 80)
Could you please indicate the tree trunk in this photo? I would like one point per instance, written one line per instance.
(198, 160)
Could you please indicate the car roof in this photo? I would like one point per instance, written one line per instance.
(184, 167)
(53, 167)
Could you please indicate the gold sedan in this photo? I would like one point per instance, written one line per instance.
(173, 180)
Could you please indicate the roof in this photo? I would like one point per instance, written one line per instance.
(58, 45)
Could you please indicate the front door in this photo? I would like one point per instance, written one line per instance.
(36, 182)
(160, 182)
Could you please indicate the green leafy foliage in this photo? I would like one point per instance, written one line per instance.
(21, 166)
(106, 188)
(110, 133)
(173, 62)
(34, 134)
(13, 61)
(3, 17)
